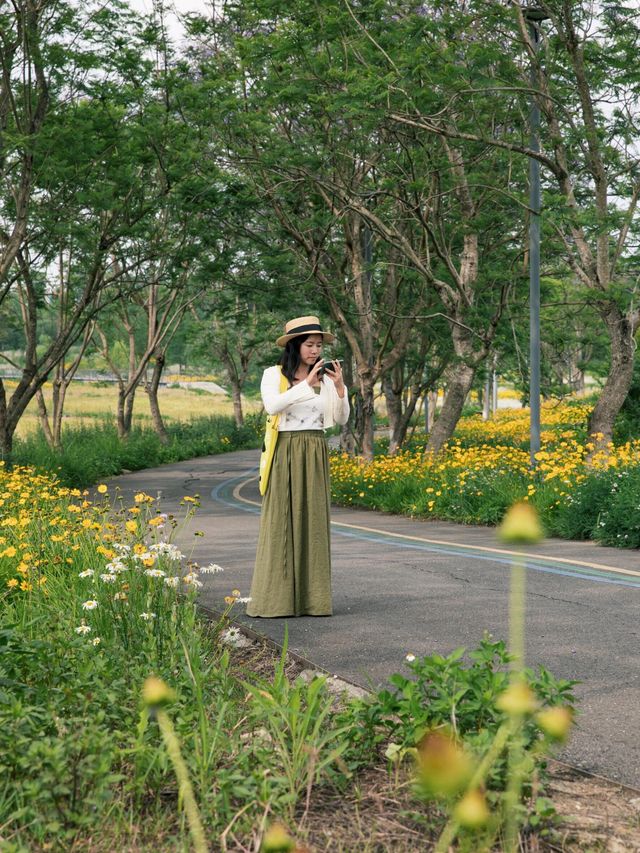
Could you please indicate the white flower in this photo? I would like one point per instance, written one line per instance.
(88, 573)
(89, 605)
(146, 555)
(96, 641)
(123, 549)
(147, 616)
(192, 580)
(120, 596)
(116, 566)
(155, 573)
(168, 550)
(108, 578)
(211, 569)
(243, 600)
(410, 657)
(172, 582)
(83, 629)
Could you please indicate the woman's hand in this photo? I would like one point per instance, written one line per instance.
(334, 372)
(313, 379)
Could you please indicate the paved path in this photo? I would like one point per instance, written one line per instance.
(404, 585)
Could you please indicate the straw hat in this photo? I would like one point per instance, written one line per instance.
(304, 326)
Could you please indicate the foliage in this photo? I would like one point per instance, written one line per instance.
(446, 691)
(94, 453)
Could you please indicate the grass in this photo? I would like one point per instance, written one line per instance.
(88, 402)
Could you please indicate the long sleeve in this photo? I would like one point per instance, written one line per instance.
(274, 401)
(340, 406)
(336, 409)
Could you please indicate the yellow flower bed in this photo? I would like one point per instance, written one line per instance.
(96, 557)
(484, 452)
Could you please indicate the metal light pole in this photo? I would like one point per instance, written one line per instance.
(534, 16)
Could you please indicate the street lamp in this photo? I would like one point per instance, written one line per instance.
(534, 16)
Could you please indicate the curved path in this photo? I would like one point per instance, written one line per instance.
(404, 585)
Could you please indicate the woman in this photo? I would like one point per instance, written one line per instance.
(292, 575)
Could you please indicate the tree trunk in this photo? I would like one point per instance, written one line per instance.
(154, 406)
(236, 396)
(120, 412)
(6, 445)
(43, 416)
(365, 415)
(393, 400)
(128, 411)
(486, 396)
(347, 437)
(59, 396)
(621, 329)
(459, 378)
(6, 433)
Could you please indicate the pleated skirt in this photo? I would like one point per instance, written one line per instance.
(292, 574)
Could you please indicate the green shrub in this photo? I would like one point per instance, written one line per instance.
(94, 453)
(447, 691)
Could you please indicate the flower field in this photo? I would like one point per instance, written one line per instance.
(485, 469)
(99, 630)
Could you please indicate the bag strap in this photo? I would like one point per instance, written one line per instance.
(283, 381)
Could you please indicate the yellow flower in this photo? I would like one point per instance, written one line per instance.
(131, 526)
(9, 552)
(25, 586)
(12, 582)
(277, 840)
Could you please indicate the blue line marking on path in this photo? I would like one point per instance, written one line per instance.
(223, 493)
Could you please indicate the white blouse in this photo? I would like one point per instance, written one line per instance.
(300, 407)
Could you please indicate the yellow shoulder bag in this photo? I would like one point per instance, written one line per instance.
(269, 443)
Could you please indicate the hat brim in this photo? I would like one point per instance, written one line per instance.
(284, 339)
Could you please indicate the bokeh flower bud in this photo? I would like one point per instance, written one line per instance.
(517, 699)
(555, 722)
(521, 526)
(472, 811)
(444, 766)
(277, 840)
(155, 692)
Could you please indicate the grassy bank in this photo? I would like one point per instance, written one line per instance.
(91, 453)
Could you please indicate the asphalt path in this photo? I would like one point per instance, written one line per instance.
(401, 585)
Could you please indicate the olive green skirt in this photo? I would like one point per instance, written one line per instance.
(292, 575)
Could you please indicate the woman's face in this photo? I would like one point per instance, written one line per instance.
(311, 349)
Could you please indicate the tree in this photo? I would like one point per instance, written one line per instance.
(85, 158)
(586, 89)
(394, 231)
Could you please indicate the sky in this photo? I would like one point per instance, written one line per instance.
(172, 6)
